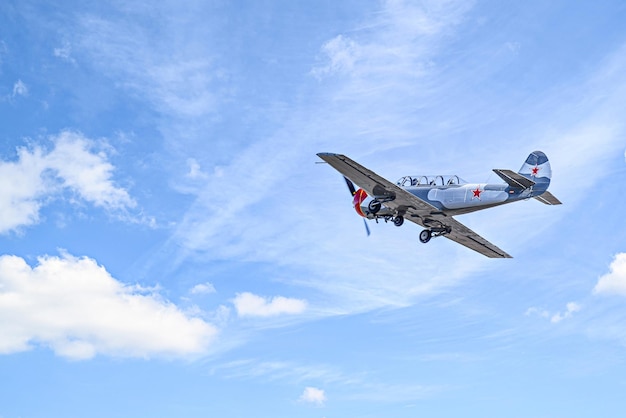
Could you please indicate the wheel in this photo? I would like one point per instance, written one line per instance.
(425, 235)
(374, 206)
(398, 221)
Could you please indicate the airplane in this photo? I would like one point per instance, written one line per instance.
(432, 201)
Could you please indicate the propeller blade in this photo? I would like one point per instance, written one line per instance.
(350, 185)
(367, 228)
(353, 192)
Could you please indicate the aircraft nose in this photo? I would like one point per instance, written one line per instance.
(359, 196)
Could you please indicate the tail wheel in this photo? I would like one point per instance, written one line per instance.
(374, 206)
(425, 235)
(398, 221)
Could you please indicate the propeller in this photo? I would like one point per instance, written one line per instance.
(367, 228)
(350, 185)
(353, 192)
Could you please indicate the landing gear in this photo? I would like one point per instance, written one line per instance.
(435, 231)
(374, 206)
(398, 221)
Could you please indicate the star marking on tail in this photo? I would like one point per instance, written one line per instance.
(534, 171)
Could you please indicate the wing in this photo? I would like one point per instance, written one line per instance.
(377, 186)
(465, 236)
(410, 206)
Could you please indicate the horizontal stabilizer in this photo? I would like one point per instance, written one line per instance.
(514, 179)
(548, 198)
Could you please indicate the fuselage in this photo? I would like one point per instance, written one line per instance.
(454, 196)
(468, 197)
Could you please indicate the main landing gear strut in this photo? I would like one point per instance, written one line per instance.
(397, 220)
(427, 234)
(434, 227)
(375, 206)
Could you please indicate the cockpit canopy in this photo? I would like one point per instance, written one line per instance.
(442, 181)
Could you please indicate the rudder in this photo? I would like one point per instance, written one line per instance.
(536, 166)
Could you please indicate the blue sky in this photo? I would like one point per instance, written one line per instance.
(169, 247)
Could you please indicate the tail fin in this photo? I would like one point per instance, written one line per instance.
(534, 176)
(537, 168)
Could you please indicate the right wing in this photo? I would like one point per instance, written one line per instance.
(410, 206)
(465, 236)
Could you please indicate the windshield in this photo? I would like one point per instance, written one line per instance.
(415, 181)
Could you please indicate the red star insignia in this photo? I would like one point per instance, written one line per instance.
(477, 193)
(534, 170)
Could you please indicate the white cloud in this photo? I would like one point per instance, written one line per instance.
(341, 52)
(203, 289)
(21, 187)
(248, 304)
(86, 172)
(76, 308)
(570, 309)
(20, 89)
(313, 395)
(537, 311)
(195, 172)
(39, 174)
(614, 282)
(64, 52)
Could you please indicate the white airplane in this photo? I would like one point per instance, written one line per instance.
(432, 201)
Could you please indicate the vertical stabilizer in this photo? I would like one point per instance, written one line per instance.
(537, 168)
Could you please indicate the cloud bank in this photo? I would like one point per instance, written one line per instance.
(76, 308)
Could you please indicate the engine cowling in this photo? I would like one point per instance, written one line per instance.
(360, 196)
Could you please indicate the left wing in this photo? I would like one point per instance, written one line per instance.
(377, 186)
(410, 206)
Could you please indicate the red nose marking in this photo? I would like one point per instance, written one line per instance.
(359, 197)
